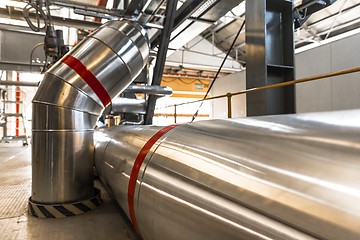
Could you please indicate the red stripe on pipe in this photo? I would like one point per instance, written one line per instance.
(136, 169)
(88, 77)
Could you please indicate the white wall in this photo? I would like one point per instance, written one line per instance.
(230, 83)
(336, 93)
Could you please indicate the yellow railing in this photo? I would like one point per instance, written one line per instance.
(284, 84)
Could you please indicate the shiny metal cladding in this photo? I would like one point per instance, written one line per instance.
(67, 105)
(128, 105)
(273, 177)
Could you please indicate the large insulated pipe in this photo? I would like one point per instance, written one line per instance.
(274, 177)
(67, 105)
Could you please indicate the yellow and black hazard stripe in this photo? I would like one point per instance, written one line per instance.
(64, 210)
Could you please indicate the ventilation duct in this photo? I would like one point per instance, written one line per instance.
(67, 105)
(274, 177)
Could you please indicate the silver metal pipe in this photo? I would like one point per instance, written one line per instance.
(21, 84)
(67, 105)
(140, 121)
(128, 105)
(153, 90)
(274, 177)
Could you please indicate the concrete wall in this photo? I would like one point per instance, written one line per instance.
(336, 93)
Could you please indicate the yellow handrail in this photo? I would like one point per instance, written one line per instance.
(284, 84)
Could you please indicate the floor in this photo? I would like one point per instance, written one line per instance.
(105, 222)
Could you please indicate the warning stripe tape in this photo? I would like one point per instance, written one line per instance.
(64, 210)
(88, 77)
(136, 169)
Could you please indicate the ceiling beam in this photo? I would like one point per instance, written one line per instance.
(135, 7)
(161, 56)
(60, 21)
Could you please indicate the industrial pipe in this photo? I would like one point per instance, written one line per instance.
(128, 105)
(151, 90)
(273, 177)
(21, 84)
(67, 105)
(136, 106)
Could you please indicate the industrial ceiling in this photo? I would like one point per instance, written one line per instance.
(202, 29)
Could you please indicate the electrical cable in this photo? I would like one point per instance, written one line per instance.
(32, 52)
(218, 72)
(48, 12)
(39, 13)
(183, 81)
(43, 70)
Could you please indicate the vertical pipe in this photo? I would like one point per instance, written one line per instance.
(68, 103)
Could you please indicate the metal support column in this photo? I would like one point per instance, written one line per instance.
(135, 7)
(161, 56)
(269, 56)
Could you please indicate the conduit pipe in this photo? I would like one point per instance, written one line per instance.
(136, 106)
(20, 83)
(273, 177)
(68, 102)
(160, 91)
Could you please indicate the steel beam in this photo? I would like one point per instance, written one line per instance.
(150, 10)
(67, 22)
(269, 56)
(183, 13)
(135, 7)
(100, 9)
(186, 10)
(161, 56)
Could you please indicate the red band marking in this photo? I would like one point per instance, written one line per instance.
(136, 169)
(88, 77)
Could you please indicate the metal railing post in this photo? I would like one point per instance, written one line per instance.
(229, 95)
(175, 114)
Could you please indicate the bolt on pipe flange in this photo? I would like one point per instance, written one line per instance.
(64, 210)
